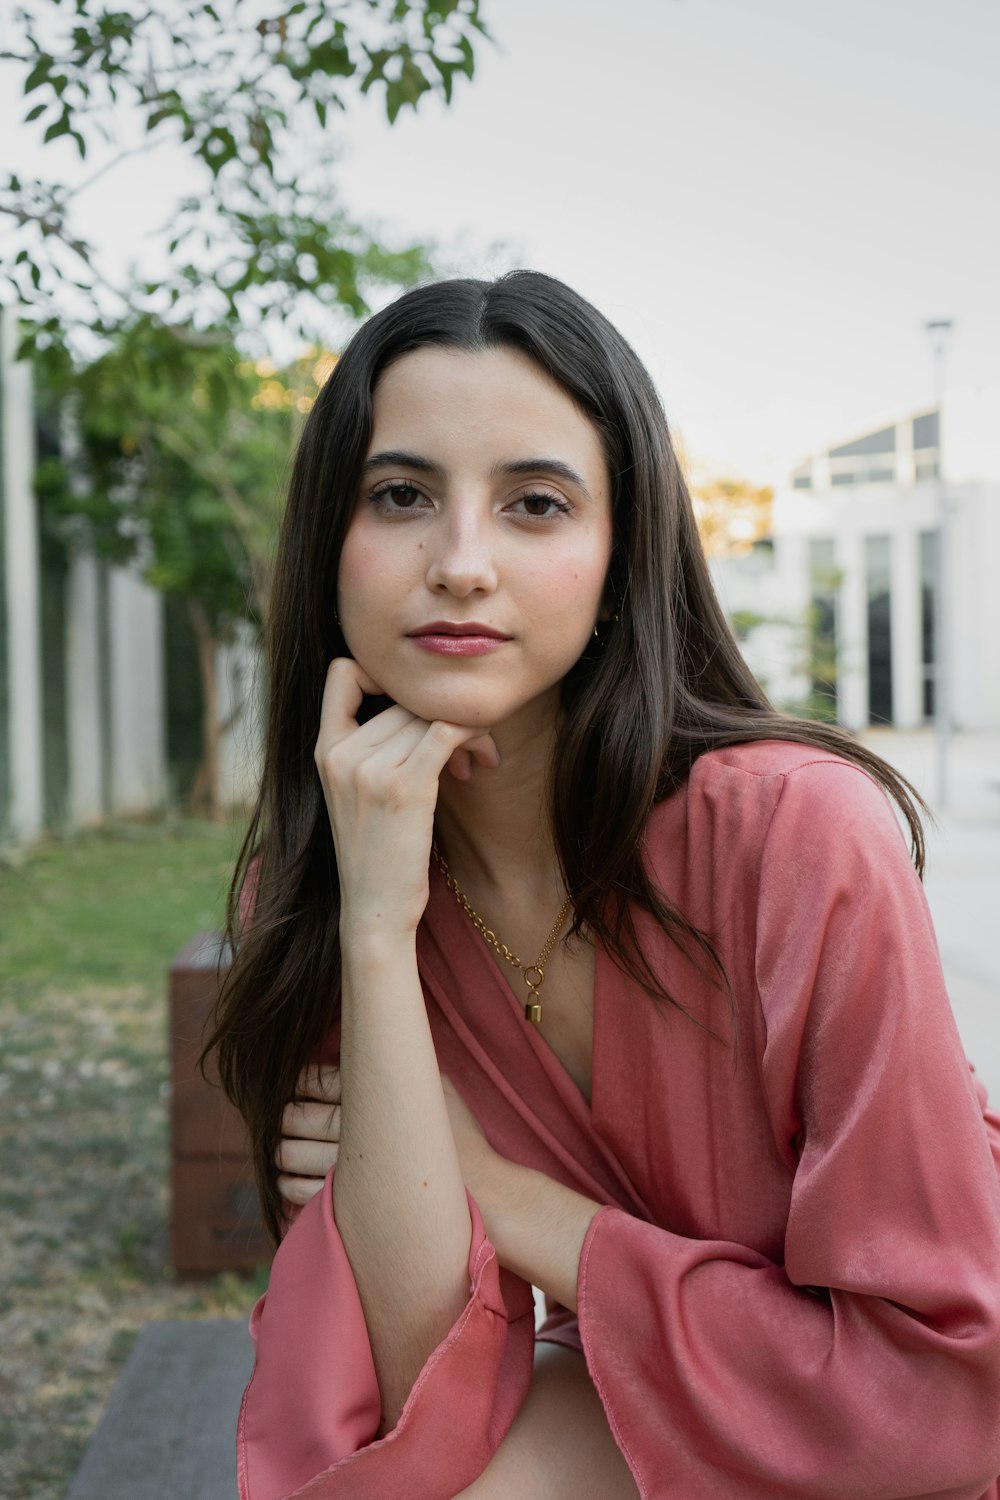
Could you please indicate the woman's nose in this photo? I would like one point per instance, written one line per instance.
(462, 560)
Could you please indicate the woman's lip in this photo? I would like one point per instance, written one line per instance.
(456, 627)
(459, 645)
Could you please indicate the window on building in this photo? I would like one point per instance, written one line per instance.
(926, 430)
(861, 471)
(824, 581)
(883, 441)
(929, 554)
(878, 561)
(926, 446)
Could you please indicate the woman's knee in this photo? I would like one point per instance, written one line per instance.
(559, 1446)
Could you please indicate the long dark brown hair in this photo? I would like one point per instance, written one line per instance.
(662, 685)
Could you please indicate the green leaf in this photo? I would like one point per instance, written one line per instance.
(319, 106)
(468, 63)
(447, 71)
(377, 59)
(58, 127)
(39, 109)
(39, 74)
(407, 89)
(436, 14)
(218, 148)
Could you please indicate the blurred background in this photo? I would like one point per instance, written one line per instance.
(787, 208)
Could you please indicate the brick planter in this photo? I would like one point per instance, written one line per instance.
(214, 1217)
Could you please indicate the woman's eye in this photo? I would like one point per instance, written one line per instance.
(396, 497)
(540, 506)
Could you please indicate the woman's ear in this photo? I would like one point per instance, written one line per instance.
(610, 610)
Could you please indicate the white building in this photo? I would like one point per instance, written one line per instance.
(81, 653)
(851, 575)
(97, 700)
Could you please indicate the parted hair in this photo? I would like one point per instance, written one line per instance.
(661, 685)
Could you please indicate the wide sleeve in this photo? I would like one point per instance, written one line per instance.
(867, 1364)
(311, 1411)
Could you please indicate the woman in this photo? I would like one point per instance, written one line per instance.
(575, 964)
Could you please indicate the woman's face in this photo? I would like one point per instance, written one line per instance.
(485, 506)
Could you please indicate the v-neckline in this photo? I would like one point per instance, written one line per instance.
(553, 1064)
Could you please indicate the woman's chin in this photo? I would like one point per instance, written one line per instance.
(470, 704)
(452, 707)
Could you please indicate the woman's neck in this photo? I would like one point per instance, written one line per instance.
(495, 830)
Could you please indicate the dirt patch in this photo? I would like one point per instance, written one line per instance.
(83, 1198)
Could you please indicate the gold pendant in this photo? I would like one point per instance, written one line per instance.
(533, 1011)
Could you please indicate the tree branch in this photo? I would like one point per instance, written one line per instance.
(246, 523)
(53, 229)
(81, 187)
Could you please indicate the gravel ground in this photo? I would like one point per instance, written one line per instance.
(83, 1173)
(83, 1132)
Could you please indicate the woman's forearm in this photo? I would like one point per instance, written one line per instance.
(398, 1192)
(537, 1226)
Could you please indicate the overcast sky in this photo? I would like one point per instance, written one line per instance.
(769, 197)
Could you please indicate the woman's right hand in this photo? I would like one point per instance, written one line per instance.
(380, 781)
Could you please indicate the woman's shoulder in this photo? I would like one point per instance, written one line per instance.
(757, 760)
(769, 770)
(773, 815)
(740, 795)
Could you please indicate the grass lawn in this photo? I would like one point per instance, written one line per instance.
(88, 929)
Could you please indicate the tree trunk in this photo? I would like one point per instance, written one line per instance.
(205, 790)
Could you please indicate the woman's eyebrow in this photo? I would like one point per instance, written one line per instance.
(553, 466)
(393, 457)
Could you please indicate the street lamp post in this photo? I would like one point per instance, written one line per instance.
(938, 332)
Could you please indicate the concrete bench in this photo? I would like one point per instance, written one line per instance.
(170, 1426)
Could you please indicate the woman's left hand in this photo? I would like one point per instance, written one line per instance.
(310, 1135)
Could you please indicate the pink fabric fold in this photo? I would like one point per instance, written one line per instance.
(312, 1408)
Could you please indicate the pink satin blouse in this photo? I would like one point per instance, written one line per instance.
(792, 1291)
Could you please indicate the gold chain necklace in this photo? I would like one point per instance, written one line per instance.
(534, 974)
